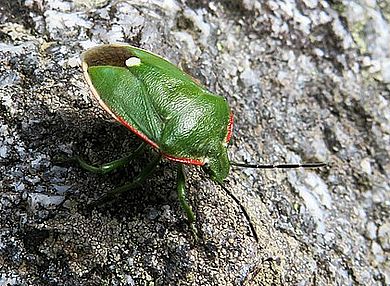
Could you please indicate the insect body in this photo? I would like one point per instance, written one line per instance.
(166, 108)
(162, 105)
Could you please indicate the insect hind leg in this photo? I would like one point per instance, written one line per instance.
(111, 166)
(135, 183)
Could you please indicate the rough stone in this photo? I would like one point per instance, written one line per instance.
(307, 81)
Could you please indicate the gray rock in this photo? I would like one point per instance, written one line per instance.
(384, 236)
(307, 81)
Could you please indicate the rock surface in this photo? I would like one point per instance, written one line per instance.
(307, 81)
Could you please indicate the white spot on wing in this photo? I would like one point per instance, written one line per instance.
(133, 61)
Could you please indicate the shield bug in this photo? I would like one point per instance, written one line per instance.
(169, 110)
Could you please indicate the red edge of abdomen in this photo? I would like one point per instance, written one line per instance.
(136, 132)
(184, 160)
(155, 146)
(230, 128)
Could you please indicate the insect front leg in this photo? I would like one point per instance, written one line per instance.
(181, 193)
(111, 166)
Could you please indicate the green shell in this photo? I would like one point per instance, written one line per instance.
(163, 105)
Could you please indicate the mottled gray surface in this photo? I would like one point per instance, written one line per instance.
(308, 81)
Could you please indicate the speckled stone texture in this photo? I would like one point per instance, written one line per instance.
(308, 80)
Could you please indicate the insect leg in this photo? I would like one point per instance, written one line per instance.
(135, 183)
(111, 166)
(181, 193)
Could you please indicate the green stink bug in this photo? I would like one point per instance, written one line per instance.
(180, 119)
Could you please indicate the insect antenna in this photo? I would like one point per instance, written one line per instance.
(265, 166)
(280, 166)
(242, 209)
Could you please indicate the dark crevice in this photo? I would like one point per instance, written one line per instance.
(15, 11)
